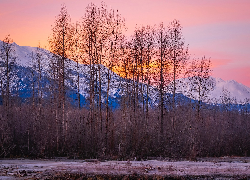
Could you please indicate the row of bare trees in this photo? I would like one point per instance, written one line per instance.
(152, 118)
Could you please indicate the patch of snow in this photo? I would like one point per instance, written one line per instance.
(150, 167)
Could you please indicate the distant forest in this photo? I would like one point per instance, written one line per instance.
(48, 125)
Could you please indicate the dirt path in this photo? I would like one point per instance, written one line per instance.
(73, 169)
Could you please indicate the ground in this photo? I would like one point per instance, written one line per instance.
(61, 168)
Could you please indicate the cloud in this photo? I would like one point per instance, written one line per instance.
(220, 62)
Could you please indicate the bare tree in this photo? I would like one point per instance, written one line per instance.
(161, 74)
(199, 85)
(101, 32)
(7, 59)
(200, 82)
(150, 43)
(61, 42)
(91, 46)
(177, 57)
(178, 53)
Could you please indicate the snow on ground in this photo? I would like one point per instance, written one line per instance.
(24, 169)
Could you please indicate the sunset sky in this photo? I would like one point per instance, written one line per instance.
(218, 29)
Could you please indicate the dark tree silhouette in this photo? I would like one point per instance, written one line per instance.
(61, 42)
(7, 61)
(177, 56)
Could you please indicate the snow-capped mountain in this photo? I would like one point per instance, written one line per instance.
(230, 90)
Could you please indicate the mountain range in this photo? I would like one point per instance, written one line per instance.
(236, 92)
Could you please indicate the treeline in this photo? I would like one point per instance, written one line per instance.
(49, 125)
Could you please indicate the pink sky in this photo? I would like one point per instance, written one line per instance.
(219, 29)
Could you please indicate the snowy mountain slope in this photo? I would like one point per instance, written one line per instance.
(117, 84)
(23, 77)
(23, 54)
(231, 90)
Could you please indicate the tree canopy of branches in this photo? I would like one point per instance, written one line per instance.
(151, 118)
